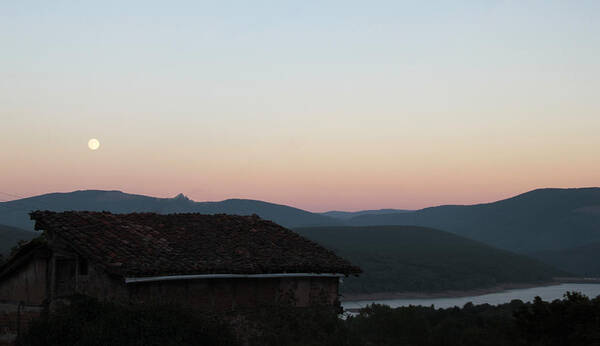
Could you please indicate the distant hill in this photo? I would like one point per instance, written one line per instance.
(582, 260)
(345, 215)
(534, 222)
(10, 236)
(409, 258)
(15, 213)
(544, 219)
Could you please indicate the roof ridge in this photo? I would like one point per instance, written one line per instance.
(151, 244)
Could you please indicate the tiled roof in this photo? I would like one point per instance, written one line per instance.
(149, 244)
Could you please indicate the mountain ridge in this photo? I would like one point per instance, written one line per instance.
(15, 213)
(421, 259)
(541, 219)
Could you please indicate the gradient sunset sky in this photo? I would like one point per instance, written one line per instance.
(317, 104)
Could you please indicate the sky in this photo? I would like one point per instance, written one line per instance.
(322, 105)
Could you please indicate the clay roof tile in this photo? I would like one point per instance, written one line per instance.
(149, 244)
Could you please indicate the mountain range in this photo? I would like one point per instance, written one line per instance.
(539, 220)
(419, 259)
(543, 223)
(15, 213)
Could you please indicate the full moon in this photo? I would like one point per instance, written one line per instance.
(93, 144)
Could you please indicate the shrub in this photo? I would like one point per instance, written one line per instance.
(88, 322)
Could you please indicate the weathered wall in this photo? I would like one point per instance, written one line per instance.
(15, 319)
(37, 281)
(97, 283)
(212, 294)
(230, 294)
(27, 283)
(94, 283)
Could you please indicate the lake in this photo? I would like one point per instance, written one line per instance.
(547, 293)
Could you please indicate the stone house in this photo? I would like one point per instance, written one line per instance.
(205, 262)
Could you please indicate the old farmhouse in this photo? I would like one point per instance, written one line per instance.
(205, 262)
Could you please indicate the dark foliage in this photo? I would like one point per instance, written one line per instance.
(89, 322)
(410, 258)
(12, 236)
(580, 260)
(283, 325)
(40, 239)
(574, 320)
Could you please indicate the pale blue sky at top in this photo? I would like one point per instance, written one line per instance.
(286, 91)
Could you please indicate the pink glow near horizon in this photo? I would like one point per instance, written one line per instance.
(315, 104)
(351, 174)
(347, 202)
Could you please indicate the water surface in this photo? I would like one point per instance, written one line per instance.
(547, 293)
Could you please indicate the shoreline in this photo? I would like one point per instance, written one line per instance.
(443, 294)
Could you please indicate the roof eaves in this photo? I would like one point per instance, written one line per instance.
(129, 280)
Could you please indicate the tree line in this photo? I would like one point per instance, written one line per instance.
(574, 320)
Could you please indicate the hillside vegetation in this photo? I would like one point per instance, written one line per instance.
(10, 236)
(545, 219)
(581, 260)
(409, 258)
(345, 215)
(571, 321)
(559, 226)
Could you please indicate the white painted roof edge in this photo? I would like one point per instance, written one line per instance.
(228, 276)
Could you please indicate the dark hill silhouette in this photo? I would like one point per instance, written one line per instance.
(409, 258)
(345, 215)
(544, 219)
(10, 236)
(540, 220)
(581, 260)
(15, 213)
